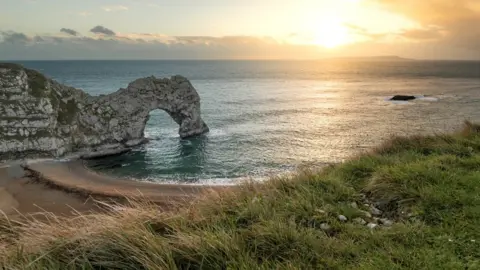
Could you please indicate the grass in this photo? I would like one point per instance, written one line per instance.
(67, 111)
(429, 187)
(37, 83)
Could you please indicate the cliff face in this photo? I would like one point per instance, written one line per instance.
(40, 117)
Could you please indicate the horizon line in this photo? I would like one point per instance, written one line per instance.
(386, 57)
(375, 58)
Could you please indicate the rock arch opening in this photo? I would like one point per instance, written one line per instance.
(160, 125)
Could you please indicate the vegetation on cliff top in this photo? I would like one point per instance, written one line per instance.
(428, 186)
(37, 82)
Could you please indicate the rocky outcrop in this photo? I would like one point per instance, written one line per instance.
(402, 98)
(40, 117)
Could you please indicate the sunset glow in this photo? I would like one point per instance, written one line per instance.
(249, 29)
(331, 33)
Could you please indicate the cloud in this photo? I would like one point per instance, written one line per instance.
(147, 37)
(15, 37)
(115, 8)
(421, 34)
(417, 34)
(156, 46)
(38, 39)
(102, 30)
(19, 46)
(69, 31)
(363, 32)
(457, 19)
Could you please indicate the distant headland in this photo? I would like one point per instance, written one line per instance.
(386, 58)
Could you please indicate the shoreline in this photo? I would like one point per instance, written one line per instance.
(69, 188)
(76, 177)
(202, 182)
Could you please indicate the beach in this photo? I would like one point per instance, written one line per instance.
(68, 188)
(22, 196)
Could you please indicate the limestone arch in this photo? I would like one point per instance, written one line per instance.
(132, 105)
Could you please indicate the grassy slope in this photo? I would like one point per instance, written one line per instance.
(430, 186)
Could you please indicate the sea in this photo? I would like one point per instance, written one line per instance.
(270, 118)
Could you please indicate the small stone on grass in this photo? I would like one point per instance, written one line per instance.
(325, 226)
(386, 222)
(360, 221)
(367, 214)
(375, 211)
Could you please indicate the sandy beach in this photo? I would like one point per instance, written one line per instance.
(66, 188)
(21, 196)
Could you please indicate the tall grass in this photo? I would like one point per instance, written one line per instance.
(429, 187)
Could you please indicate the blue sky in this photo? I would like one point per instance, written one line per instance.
(247, 29)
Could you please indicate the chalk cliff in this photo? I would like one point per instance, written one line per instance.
(40, 117)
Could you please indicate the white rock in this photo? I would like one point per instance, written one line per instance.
(342, 218)
(372, 225)
(325, 226)
(360, 221)
(354, 205)
(375, 211)
(367, 214)
(386, 222)
(114, 123)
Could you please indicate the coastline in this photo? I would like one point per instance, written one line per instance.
(68, 188)
(74, 176)
(380, 209)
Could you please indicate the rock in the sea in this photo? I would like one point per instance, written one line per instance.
(402, 98)
(40, 117)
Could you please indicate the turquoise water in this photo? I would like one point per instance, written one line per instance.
(271, 117)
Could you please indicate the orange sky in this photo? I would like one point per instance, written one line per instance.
(250, 29)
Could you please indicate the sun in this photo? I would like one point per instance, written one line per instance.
(331, 33)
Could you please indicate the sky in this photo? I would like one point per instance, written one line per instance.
(246, 29)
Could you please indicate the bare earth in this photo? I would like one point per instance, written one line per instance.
(67, 188)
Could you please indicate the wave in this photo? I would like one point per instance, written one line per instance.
(211, 181)
(217, 133)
